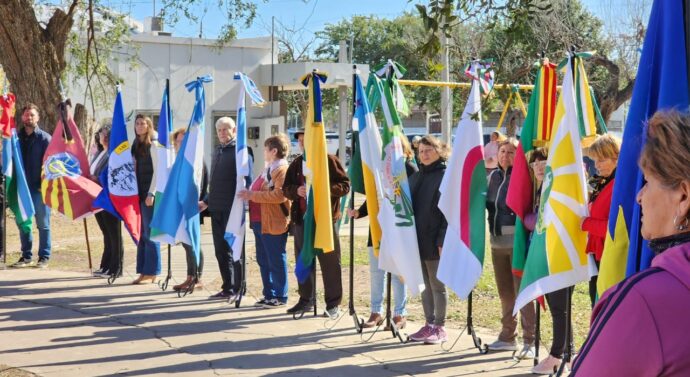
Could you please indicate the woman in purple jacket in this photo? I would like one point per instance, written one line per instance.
(640, 327)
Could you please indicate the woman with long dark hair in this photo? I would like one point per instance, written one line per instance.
(148, 251)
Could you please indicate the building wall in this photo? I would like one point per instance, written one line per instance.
(182, 60)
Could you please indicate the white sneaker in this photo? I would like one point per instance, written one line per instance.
(500, 345)
(527, 352)
(548, 366)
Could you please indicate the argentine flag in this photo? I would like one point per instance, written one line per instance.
(235, 230)
(165, 160)
(178, 217)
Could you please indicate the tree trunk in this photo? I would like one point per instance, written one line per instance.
(33, 56)
(612, 97)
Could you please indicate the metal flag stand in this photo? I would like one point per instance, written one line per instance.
(163, 284)
(390, 324)
(351, 304)
(469, 327)
(314, 301)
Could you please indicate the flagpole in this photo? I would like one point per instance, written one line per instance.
(537, 334)
(88, 245)
(351, 304)
(4, 220)
(164, 284)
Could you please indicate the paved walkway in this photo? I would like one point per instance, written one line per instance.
(56, 323)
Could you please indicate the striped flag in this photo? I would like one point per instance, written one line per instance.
(65, 186)
(399, 251)
(318, 220)
(556, 257)
(662, 83)
(536, 132)
(119, 180)
(369, 149)
(17, 196)
(178, 217)
(463, 202)
(235, 230)
(164, 162)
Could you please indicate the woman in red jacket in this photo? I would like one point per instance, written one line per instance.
(604, 151)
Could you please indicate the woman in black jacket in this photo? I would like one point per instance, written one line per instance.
(502, 228)
(431, 230)
(148, 251)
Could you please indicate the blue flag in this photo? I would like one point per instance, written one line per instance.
(178, 217)
(119, 181)
(662, 83)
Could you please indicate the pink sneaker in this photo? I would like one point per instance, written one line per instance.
(548, 366)
(437, 336)
(423, 333)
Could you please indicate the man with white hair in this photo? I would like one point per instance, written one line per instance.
(221, 194)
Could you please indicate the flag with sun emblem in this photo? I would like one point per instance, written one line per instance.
(65, 185)
(557, 257)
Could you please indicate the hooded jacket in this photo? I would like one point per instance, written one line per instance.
(429, 220)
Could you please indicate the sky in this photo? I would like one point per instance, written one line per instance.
(311, 15)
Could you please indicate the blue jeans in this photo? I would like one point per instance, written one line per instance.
(148, 252)
(378, 285)
(272, 259)
(42, 217)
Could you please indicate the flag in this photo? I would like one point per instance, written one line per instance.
(661, 83)
(463, 202)
(399, 250)
(367, 160)
(119, 181)
(65, 185)
(536, 132)
(482, 71)
(318, 222)
(17, 193)
(164, 162)
(234, 231)
(178, 217)
(557, 257)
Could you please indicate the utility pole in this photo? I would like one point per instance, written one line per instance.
(446, 98)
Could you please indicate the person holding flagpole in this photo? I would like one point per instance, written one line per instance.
(377, 276)
(604, 152)
(269, 215)
(148, 251)
(113, 249)
(193, 270)
(502, 227)
(295, 189)
(431, 227)
(221, 194)
(33, 142)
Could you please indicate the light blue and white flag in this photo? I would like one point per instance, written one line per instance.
(235, 230)
(178, 217)
(165, 159)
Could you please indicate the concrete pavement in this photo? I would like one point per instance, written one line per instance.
(56, 323)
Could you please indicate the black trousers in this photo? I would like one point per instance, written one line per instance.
(331, 271)
(192, 268)
(230, 271)
(113, 248)
(558, 304)
(593, 286)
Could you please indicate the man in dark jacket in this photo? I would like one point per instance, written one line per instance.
(221, 194)
(33, 143)
(294, 189)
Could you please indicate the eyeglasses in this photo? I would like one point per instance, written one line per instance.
(537, 164)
